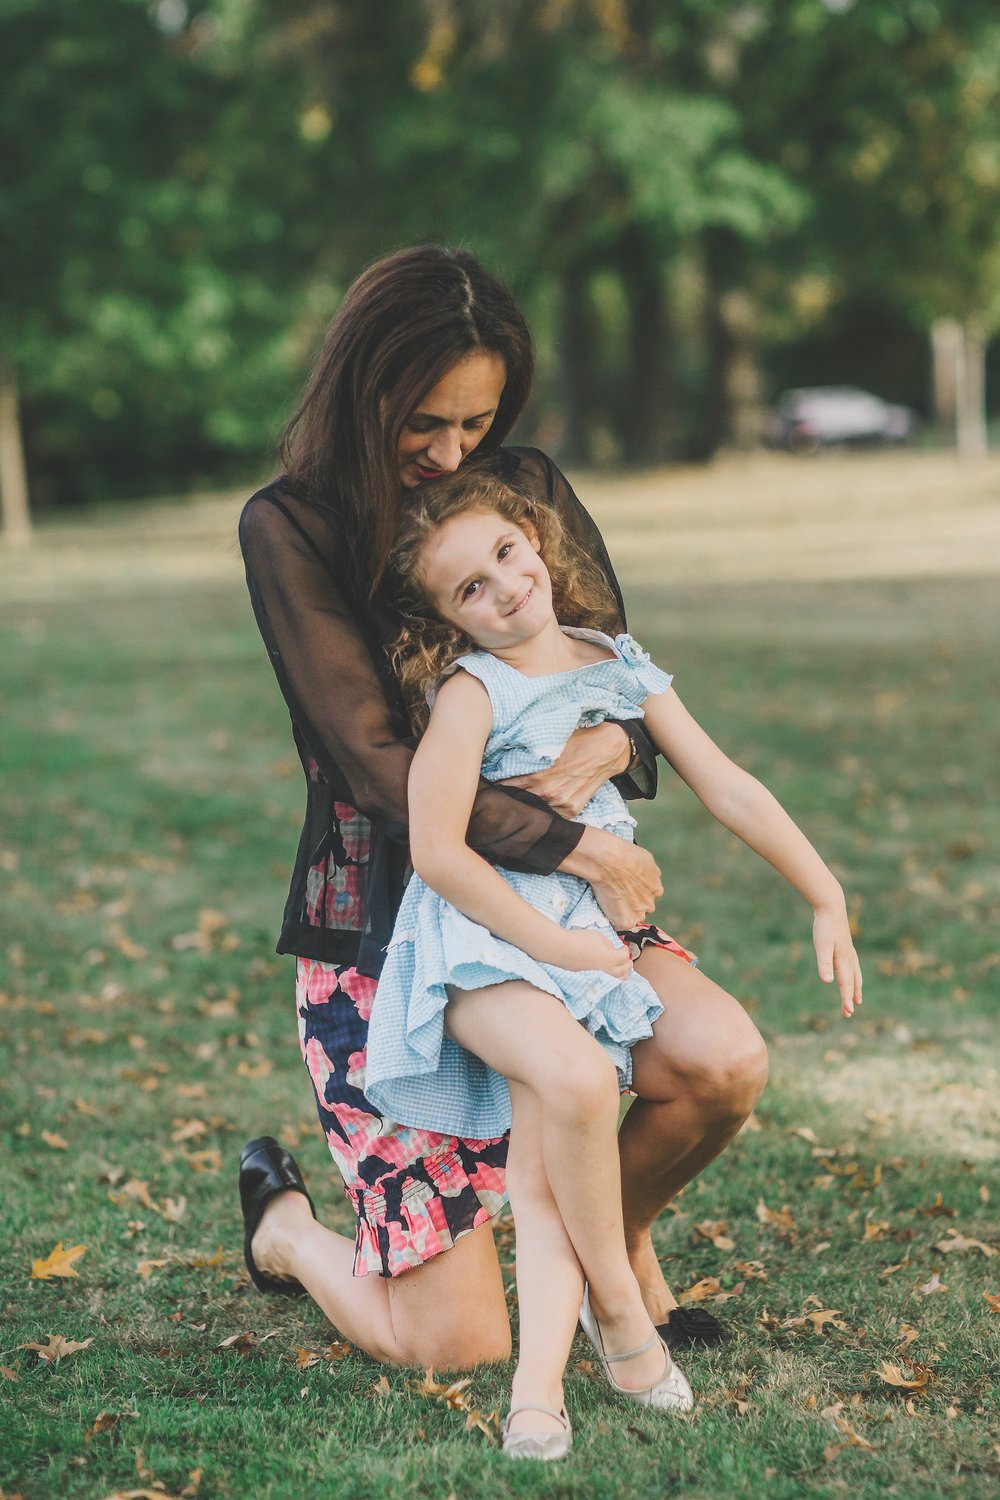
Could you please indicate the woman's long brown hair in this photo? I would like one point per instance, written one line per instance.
(427, 645)
(403, 324)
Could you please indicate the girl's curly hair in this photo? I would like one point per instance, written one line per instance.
(426, 645)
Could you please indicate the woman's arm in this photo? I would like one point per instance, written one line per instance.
(743, 805)
(443, 781)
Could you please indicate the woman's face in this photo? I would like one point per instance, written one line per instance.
(451, 420)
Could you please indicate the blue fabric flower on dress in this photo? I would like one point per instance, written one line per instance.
(630, 649)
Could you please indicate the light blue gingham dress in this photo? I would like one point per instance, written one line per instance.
(417, 1075)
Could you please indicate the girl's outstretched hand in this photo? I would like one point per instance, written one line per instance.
(835, 955)
(592, 950)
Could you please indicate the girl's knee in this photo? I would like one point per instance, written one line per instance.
(584, 1090)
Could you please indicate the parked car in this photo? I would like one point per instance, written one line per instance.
(824, 416)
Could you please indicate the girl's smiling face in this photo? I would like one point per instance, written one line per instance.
(485, 575)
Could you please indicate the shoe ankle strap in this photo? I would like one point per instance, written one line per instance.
(560, 1416)
(650, 1343)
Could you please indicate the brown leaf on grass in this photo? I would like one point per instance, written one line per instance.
(714, 1230)
(57, 1142)
(305, 1358)
(753, 1270)
(767, 1320)
(960, 1242)
(137, 1189)
(708, 1289)
(191, 1488)
(907, 1335)
(854, 1440)
(453, 1396)
(381, 1387)
(993, 1301)
(145, 1268)
(259, 1068)
(917, 1381)
(174, 1209)
(209, 1160)
(106, 1420)
(891, 1270)
(57, 1348)
(780, 1219)
(876, 1229)
(488, 1425)
(207, 1262)
(8, 1373)
(819, 1320)
(239, 1341)
(188, 1130)
(85, 1108)
(805, 1134)
(938, 1209)
(58, 1263)
(935, 1284)
(339, 1349)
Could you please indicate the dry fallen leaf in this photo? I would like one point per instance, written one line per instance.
(993, 1301)
(55, 1141)
(959, 1242)
(893, 1375)
(8, 1373)
(106, 1420)
(907, 1335)
(819, 1320)
(305, 1358)
(58, 1263)
(57, 1348)
(188, 1130)
(240, 1341)
(145, 1268)
(714, 1230)
(779, 1219)
(930, 1287)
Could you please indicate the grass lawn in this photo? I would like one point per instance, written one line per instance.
(849, 1238)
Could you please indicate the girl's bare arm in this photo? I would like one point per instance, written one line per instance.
(743, 805)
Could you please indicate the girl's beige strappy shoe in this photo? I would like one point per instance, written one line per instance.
(543, 1445)
(670, 1393)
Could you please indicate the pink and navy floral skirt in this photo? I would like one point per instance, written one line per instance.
(414, 1192)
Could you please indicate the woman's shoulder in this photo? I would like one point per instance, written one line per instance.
(275, 514)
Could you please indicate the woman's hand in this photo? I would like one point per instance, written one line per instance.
(592, 950)
(624, 878)
(835, 955)
(589, 758)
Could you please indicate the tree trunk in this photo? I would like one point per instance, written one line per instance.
(972, 439)
(959, 351)
(577, 342)
(16, 514)
(646, 415)
(946, 352)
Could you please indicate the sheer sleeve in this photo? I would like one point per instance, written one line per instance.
(533, 465)
(339, 702)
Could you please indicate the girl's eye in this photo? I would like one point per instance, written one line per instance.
(470, 589)
(507, 547)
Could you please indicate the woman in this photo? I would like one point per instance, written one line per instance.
(428, 362)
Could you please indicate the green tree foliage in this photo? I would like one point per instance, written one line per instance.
(667, 188)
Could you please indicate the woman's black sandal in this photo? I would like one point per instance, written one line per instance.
(267, 1169)
(685, 1326)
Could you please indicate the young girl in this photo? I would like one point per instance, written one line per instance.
(476, 1024)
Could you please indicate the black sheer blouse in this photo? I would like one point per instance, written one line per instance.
(327, 645)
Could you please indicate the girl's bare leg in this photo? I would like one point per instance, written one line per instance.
(698, 1078)
(549, 1278)
(449, 1313)
(531, 1039)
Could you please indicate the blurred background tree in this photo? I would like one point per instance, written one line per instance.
(697, 205)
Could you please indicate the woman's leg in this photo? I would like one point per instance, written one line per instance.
(549, 1278)
(698, 1078)
(449, 1313)
(531, 1039)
